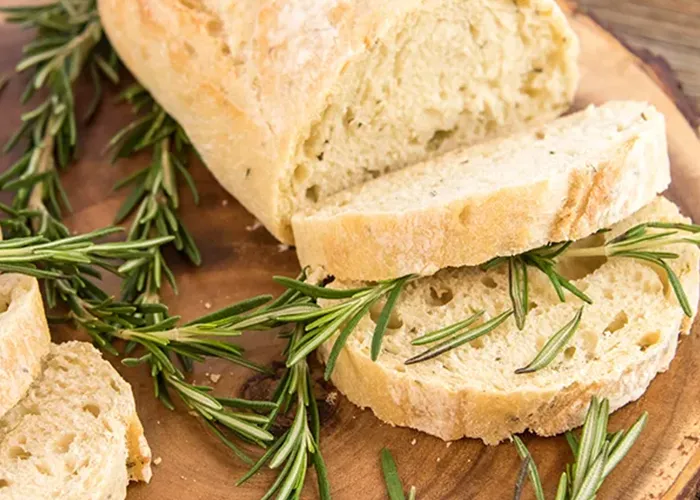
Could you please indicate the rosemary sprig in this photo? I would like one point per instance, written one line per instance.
(192, 343)
(394, 488)
(645, 242)
(68, 40)
(544, 260)
(148, 326)
(154, 198)
(68, 266)
(75, 250)
(322, 323)
(596, 452)
(291, 452)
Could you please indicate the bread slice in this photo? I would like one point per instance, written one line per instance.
(24, 337)
(76, 435)
(558, 182)
(626, 336)
(291, 101)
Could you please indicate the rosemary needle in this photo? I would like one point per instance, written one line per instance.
(531, 468)
(4, 80)
(553, 346)
(518, 289)
(385, 315)
(391, 476)
(522, 476)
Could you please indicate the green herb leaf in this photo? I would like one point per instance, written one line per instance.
(554, 346)
(531, 467)
(385, 315)
(394, 487)
(518, 289)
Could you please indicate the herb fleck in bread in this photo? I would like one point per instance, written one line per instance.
(24, 337)
(76, 434)
(291, 101)
(626, 337)
(558, 182)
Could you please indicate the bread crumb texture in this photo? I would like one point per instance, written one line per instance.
(628, 335)
(557, 182)
(75, 435)
(322, 95)
(24, 337)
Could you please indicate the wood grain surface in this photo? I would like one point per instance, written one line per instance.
(668, 28)
(238, 262)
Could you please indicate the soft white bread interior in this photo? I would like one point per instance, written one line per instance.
(294, 100)
(558, 182)
(625, 338)
(76, 434)
(24, 337)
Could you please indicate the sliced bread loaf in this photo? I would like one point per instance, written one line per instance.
(293, 100)
(76, 434)
(24, 337)
(557, 182)
(625, 338)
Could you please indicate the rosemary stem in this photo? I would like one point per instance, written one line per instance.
(601, 251)
(86, 40)
(45, 164)
(611, 250)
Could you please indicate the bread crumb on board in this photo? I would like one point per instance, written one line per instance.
(215, 377)
(283, 248)
(207, 305)
(254, 226)
(224, 203)
(332, 398)
(448, 444)
(157, 461)
(413, 442)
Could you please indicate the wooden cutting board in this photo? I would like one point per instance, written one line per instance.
(238, 262)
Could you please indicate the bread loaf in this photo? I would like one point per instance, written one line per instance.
(291, 101)
(76, 434)
(625, 338)
(24, 337)
(558, 182)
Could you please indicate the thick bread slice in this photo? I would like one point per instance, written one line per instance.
(76, 435)
(558, 182)
(24, 337)
(627, 336)
(294, 100)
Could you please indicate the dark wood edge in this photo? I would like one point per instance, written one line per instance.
(691, 491)
(653, 64)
